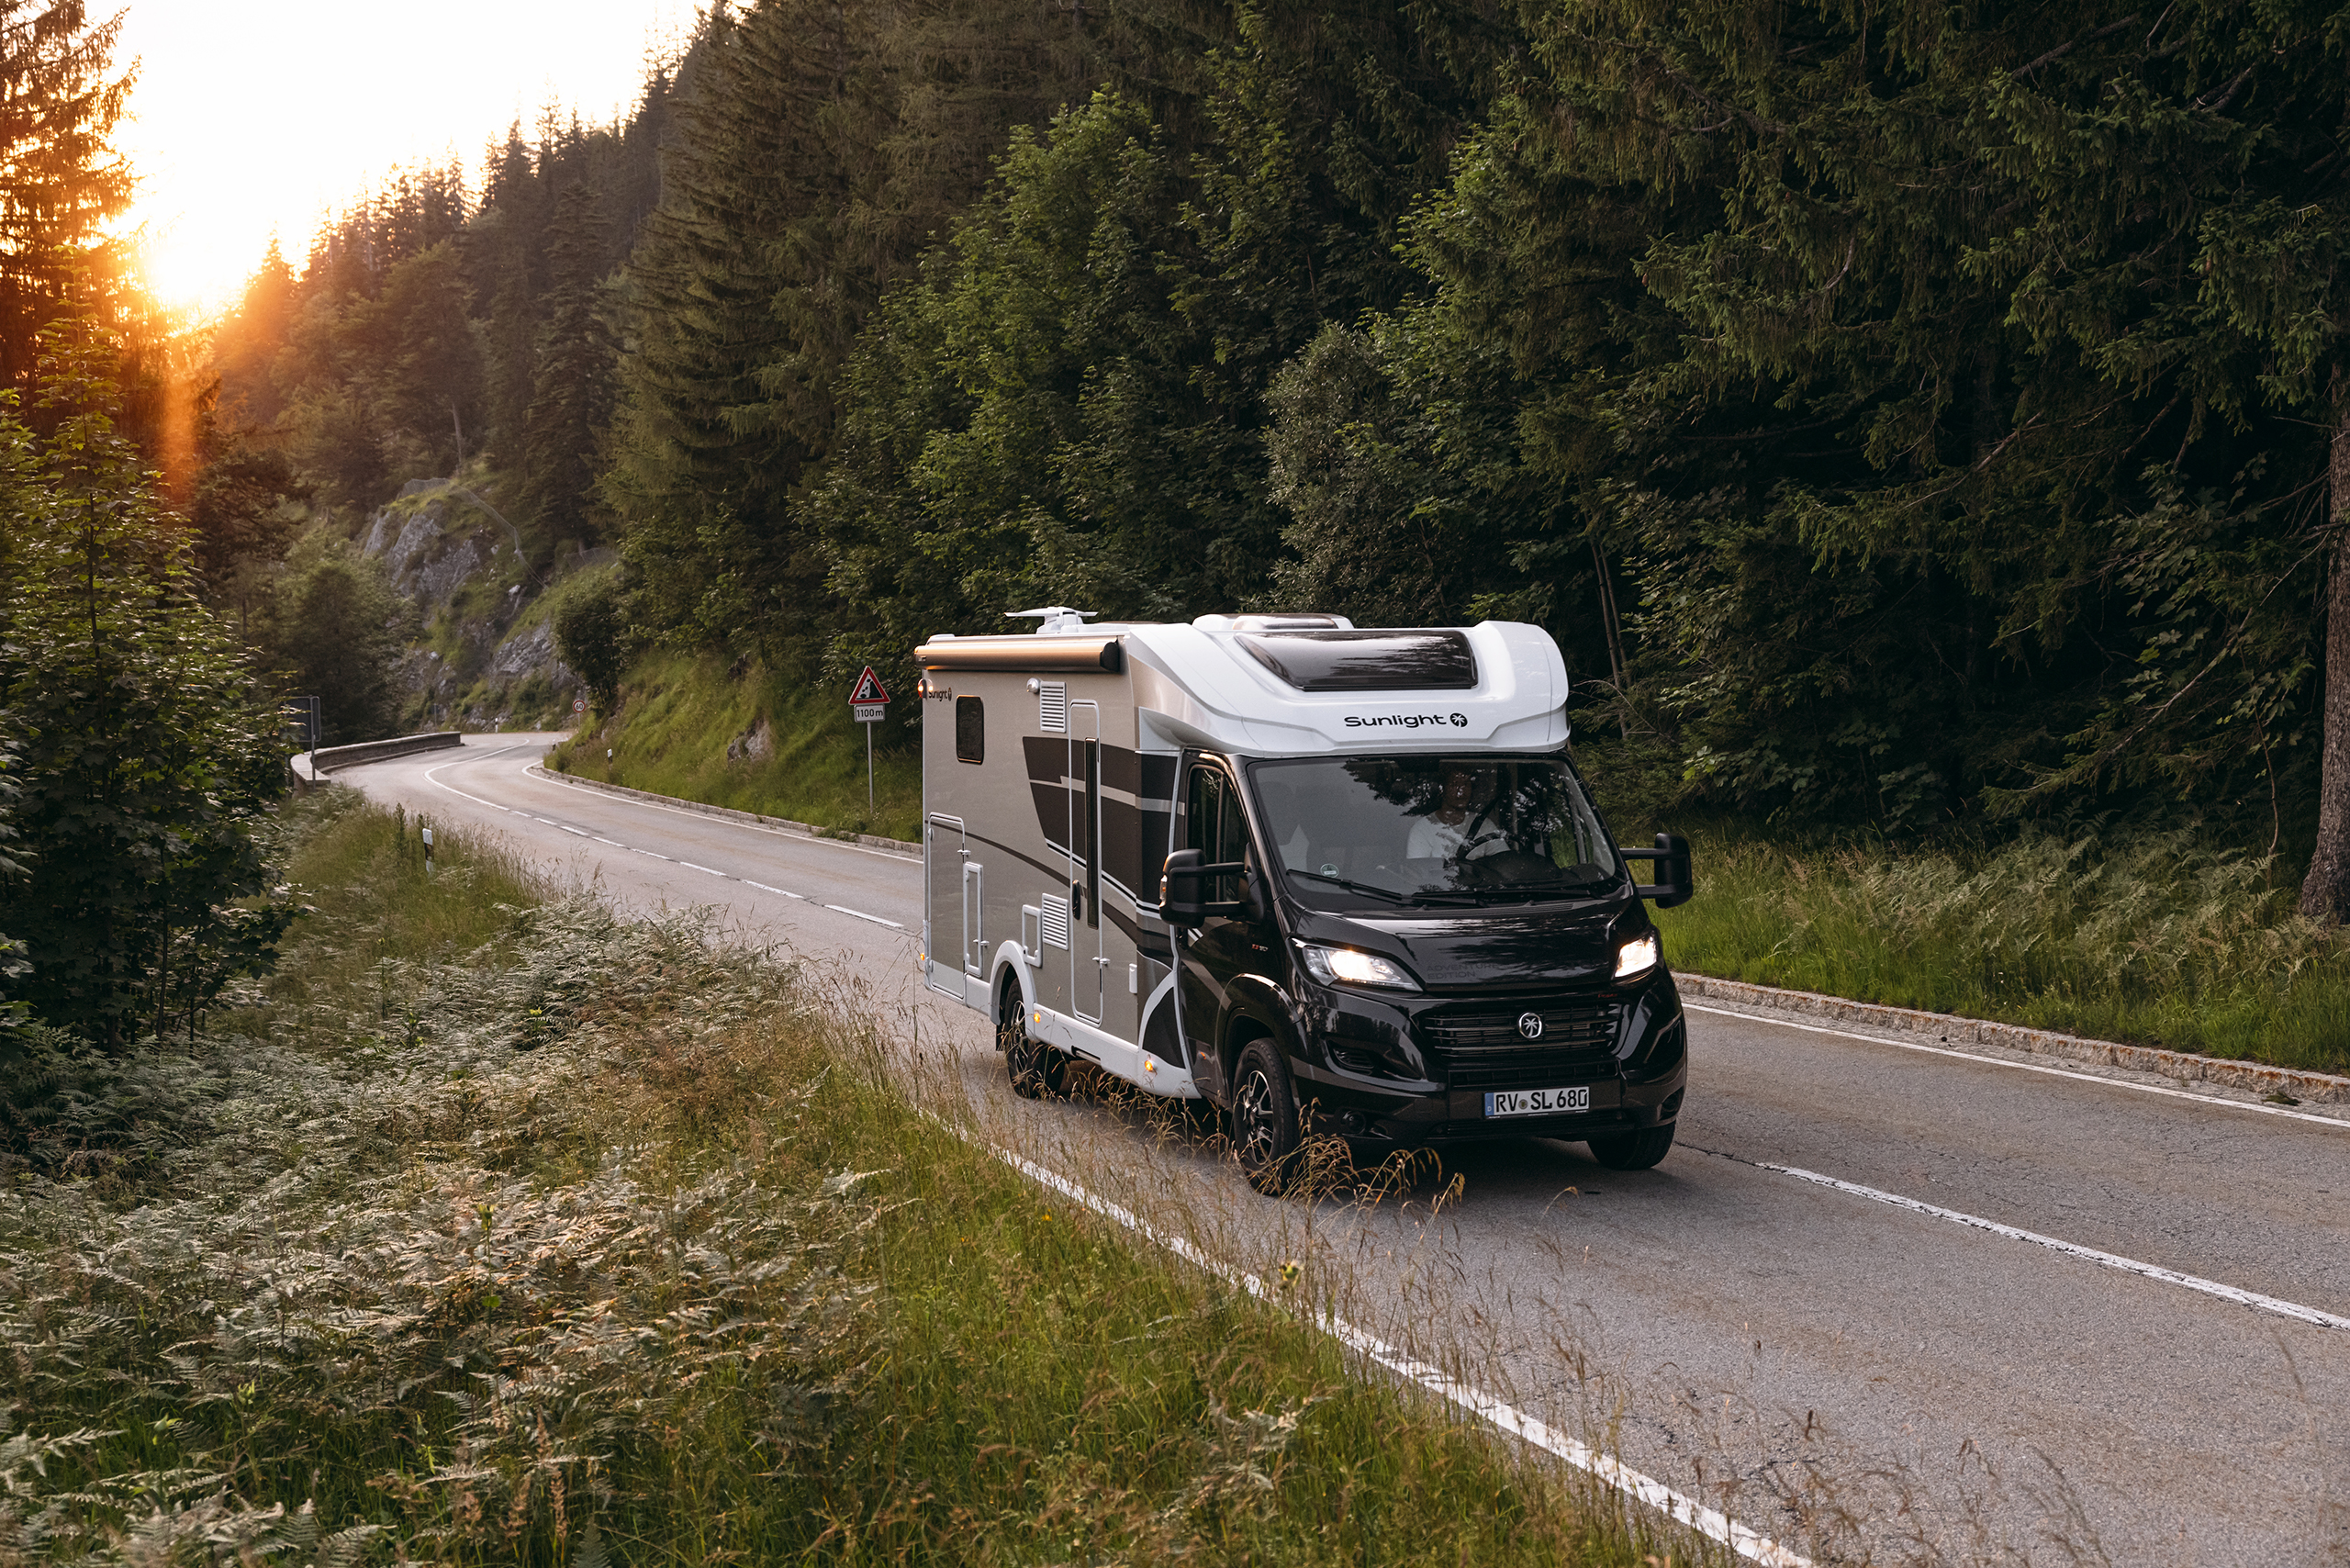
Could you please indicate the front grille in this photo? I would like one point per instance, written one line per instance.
(1488, 1050)
(1562, 1028)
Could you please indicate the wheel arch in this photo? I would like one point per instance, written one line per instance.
(1010, 966)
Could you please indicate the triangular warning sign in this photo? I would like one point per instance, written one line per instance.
(868, 687)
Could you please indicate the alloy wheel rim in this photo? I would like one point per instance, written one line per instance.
(1256, 1115)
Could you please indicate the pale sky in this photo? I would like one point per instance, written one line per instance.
(258, 117)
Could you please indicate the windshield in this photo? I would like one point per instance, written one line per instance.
(1433, 830)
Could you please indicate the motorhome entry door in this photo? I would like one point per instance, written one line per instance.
(1086, 957)
(948, 907)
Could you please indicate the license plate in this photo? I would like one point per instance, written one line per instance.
(1537, 1102)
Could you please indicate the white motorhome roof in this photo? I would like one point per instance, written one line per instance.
(1215, 684)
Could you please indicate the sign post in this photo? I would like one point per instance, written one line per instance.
(869, 701)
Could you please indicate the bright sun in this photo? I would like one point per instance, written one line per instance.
(241, 133)
(193, 271)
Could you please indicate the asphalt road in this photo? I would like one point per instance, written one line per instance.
(2136, 1381)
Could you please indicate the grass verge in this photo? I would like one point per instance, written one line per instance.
(490, 1229)
(688, 725)
(2156, 939)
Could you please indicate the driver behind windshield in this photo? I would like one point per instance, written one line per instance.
(1414, 829)
(1443, 833)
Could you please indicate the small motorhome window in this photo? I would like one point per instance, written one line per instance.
(970, 731)
(1435, 830)
(1366, 661)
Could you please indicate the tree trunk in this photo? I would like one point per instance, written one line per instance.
(2325, 892)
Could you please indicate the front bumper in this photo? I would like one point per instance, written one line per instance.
(1394, 1074)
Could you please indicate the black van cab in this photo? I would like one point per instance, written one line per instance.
(1419, 950)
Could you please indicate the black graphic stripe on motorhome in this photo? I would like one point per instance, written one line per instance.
(1125, 922)
(1134, 830)
(1055, 874)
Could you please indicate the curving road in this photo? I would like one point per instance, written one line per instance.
(1878, 1302)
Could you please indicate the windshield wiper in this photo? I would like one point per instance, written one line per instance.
(1352, 887)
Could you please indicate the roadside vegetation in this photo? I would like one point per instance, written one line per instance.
(744, 736)
(2160, 939)
(490, 1229)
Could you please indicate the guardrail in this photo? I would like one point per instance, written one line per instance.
(312, 766)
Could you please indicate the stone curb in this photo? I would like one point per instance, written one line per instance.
(2177, 1065)
(728, 814)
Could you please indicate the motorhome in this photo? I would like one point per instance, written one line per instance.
(1331, 880)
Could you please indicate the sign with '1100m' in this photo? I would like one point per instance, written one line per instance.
(867, 699)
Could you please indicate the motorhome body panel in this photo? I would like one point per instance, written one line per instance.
(1045, 826)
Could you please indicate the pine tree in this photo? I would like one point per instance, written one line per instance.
(818, 148)
(572, 380)
(60, 181)
(1897, 340)
(247, 347)
(147, 748)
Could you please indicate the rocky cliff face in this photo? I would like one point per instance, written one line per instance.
(485, 659)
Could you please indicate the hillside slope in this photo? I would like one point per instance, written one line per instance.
(484, 657)
(741, 735)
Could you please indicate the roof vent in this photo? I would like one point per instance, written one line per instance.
(1057, 619)
(1403, 659)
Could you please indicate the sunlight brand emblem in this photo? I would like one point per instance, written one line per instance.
(1530, 1026)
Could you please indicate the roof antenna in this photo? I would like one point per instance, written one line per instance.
(1058, 619)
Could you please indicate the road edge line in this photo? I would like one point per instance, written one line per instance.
(1710, 1522)
(2315, 1317)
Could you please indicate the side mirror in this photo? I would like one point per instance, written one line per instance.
(1675, 883)
(1183, 891)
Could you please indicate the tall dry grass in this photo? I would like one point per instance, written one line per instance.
(492, 1228)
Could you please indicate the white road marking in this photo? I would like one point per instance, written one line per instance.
(657, 856)
(550, 822)
(691, 866)
(432, 777)
(2072, 1249)
(1712, 1522)
(2337, 1122)
(580, 830)
(613, 842)
(860, 914)
(765, 889)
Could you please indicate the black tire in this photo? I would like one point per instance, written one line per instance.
(1265, 1135)
(1635, 1151)
(1038, 1071)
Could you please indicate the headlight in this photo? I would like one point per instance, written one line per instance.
(1637, 956)
(1348, 965)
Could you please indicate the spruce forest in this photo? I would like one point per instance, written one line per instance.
(1900, 416)
(1920, 424)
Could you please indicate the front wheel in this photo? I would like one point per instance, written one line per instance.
(1635, 1151)
(1264, 1118)
(1037, 1070)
